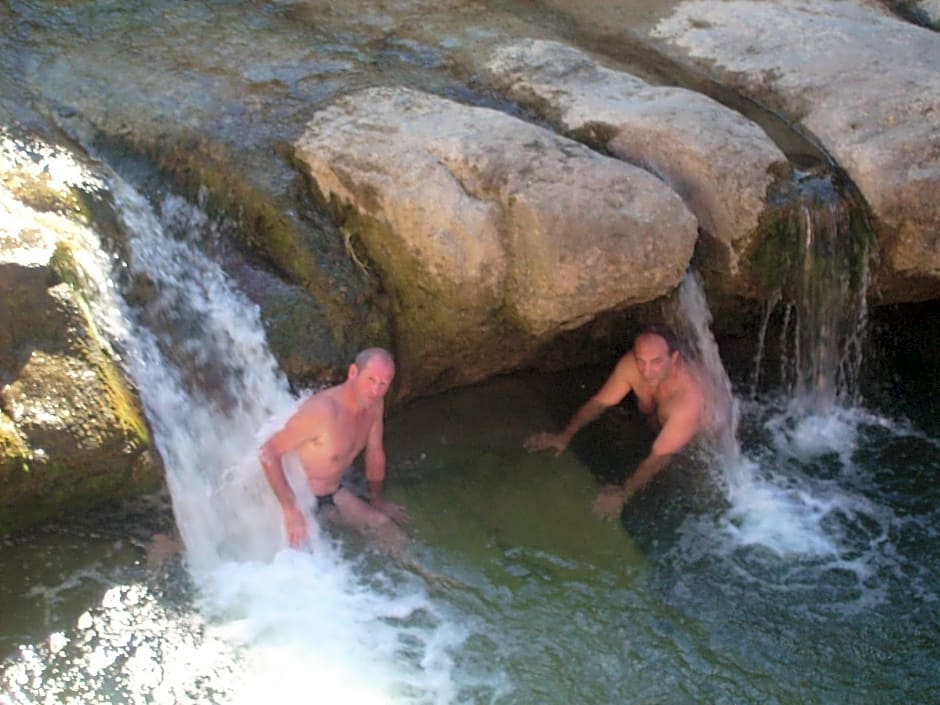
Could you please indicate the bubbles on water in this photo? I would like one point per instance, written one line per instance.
(815, 436)
(130, 648)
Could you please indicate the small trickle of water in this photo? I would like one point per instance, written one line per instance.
(822, 300)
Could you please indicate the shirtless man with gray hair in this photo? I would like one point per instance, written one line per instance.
(668, 391)
(327, 432)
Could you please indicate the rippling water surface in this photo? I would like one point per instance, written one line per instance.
(816, 584)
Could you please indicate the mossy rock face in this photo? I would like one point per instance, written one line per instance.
(813, 226)
(72, 433)
(317, 306)
(77, 436)
(13, 448)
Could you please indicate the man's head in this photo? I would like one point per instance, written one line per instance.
(371, 374)
(656, 350)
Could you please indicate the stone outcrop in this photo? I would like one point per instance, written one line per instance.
(721, 163)
(930, 11)
(863, 82)
(491, 234)
(72, 434)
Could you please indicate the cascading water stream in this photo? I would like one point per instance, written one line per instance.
(823, 280)
(777, 497)
(763, 510)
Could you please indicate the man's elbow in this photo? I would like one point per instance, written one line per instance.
(268, 458)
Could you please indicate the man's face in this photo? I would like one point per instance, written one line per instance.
(653, 358)
(374, 379)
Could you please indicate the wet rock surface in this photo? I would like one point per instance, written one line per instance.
(865, 84)
(72, 433)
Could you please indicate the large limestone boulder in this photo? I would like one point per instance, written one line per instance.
(721, 163)
(490, 234)
(72, 434)
(865, 84)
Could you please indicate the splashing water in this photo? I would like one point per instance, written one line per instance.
(774, 503)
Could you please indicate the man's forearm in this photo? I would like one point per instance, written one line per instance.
(376, 488)
(375, 472)
(274, 473)
(645, 472)
(590, 411)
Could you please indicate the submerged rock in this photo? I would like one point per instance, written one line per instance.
(721, 163)
(865, 84)
(491, 234)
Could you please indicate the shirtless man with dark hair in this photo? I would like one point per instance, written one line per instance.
(327, 432)
(668, 392)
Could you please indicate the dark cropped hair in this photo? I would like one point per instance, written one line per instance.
(664, 332)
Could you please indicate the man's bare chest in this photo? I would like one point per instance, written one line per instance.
(337, 446)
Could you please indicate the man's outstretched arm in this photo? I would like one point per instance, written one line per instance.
(678, 432)
(589, 412)
(610, 394)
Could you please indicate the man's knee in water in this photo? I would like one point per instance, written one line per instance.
(377, 519)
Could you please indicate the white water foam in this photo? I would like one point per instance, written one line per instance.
(306, 623)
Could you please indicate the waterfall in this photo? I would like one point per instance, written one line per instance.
(822, 262)
(819, 304)
(762, 507)
(196, 351)
(692, 321)
(821, 297)
(283, 621)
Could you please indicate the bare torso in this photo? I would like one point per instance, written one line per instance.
(660, 402)
(333, 446)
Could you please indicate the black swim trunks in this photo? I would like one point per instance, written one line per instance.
(325, 500)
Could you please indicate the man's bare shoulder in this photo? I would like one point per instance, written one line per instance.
(626, 366)
(318, 404)
(692, 395)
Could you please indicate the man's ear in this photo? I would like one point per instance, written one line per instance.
(353, 371)
(675, 356)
